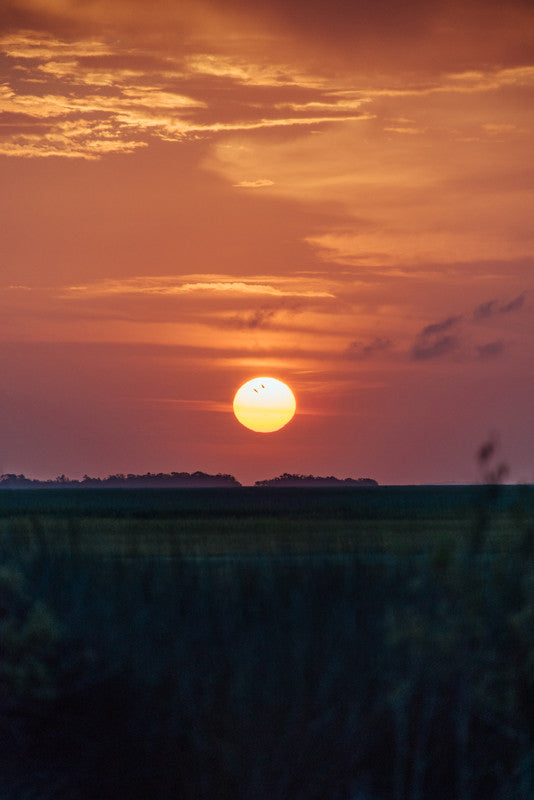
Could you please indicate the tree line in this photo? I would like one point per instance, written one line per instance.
(120, 481)
(289, 479)
(161, 480)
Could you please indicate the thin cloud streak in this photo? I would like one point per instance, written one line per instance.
(257, 184)
(36, 44)
(193, 404)
(173, 286)
(471, 82)
(250, 74)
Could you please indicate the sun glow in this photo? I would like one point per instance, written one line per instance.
(264, 405)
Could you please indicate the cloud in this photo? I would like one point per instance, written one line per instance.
(253, 184)
(485, 310)
(357, 350)
(440, 327)
(468, 82)
(194, 404)
(100, 96)
(38, 45)
(183, 128)
(260, 318)
(278, 315)
(514, 305)
(119, 93)
(329, 104)
(492, 307)
(246, 72)
(435, 341)
(68, 139)
(134, 105)
(442, 346)
(172, 285)
(412, 35)
(490, 349)
(89, 125)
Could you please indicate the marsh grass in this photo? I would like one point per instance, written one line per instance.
(304, 650)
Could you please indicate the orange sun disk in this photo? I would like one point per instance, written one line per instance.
(264, 405)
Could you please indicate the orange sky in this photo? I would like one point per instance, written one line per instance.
(197, 193)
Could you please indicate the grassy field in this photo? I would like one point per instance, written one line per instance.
(259, 521)
(286, 644)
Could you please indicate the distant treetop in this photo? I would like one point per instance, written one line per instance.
(161, 480)
(288, 479)
(150, 480)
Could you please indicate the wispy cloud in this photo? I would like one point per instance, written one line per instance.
(492, 308)
(97, 97)
(276, 315)
(38, 45)
(91, 125)
(490, 349)
(261, 318)
(175, 286)
(329, 104)
(100, 96)
(440, 327)
(249, 73)
(435, 340)
(454, 334)
(192, 404)
(485, 310)
(425, 349)
(183, 128)
(468, 82)
(258, 184)
(357, 350)
(514, 305)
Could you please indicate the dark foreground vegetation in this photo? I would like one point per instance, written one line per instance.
(267, 644)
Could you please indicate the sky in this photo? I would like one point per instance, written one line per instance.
(338, 195)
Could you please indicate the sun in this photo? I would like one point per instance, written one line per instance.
(264, 405)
